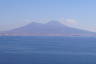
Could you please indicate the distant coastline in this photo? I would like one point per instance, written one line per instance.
(5, 34)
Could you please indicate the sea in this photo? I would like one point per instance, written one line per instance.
(47, 50)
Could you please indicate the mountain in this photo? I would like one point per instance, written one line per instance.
(52, 28)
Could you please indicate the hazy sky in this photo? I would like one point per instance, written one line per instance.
(75, 13)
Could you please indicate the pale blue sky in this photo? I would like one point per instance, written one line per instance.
(15, 13)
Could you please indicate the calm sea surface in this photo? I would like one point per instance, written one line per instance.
(47, 50)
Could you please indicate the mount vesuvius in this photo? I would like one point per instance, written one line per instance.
(52, 28)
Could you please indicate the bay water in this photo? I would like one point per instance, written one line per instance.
(47, 50)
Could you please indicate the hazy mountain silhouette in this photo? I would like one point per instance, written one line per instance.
(52, 27)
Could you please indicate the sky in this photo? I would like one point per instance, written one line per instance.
(74, 13)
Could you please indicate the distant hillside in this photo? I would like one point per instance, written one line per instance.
(51, 28)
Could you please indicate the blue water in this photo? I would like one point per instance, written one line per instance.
(47, 50)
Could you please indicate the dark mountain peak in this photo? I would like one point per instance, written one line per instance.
(53, 22)
(34, 23)
(49, 23)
